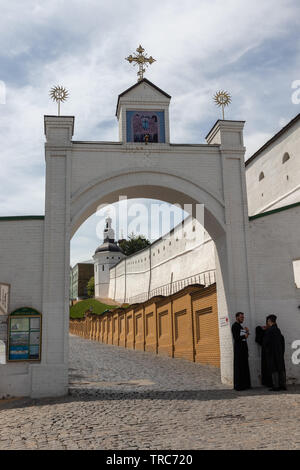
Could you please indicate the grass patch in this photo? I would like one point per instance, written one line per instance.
(77, 310)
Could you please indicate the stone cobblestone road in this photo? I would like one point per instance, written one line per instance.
(123, 399)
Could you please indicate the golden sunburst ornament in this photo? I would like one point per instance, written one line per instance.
(58, 94)
(222, 98)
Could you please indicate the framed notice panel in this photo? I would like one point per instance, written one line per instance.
(24, 335)
(4, 298)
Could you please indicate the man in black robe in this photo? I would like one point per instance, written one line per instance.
(266, 377)
(274, 344)
(241, 364)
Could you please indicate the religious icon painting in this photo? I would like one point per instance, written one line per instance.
(145, 126)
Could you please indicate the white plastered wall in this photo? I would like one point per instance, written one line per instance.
(275, 245)
(281, 183)
(21, 266)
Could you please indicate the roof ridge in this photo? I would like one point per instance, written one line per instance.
(145, 80)
(273, 139)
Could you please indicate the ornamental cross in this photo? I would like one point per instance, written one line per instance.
(140, 59)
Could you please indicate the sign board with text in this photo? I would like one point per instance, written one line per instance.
(223, 321)
(4, 298)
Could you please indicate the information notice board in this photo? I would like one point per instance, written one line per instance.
(4, 298)
(24, 335)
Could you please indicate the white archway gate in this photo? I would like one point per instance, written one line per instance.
(82, 175)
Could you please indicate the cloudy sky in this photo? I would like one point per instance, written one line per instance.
(251, 49)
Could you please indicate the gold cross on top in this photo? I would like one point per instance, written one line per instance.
(140, 59)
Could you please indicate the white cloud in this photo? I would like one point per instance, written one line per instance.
(254, 141)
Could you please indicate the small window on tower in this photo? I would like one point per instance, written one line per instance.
(261, 176)
(285, 157)
(103, 267)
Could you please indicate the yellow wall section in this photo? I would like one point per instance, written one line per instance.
(183, 325)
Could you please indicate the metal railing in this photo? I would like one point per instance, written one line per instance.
(205, 278)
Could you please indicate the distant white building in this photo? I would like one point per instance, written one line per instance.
(106, 256)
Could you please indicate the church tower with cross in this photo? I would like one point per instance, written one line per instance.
(107, 255)
(143, 109)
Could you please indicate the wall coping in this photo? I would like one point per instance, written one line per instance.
(23, 217)
(274, 211)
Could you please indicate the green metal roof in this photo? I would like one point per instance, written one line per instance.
(274, 211)
(23, 217)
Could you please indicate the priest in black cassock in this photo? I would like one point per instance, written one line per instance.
(266, 376)
(274, 345)
(241, 364)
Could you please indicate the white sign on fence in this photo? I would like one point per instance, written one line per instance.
(224, 321)
(4, 298)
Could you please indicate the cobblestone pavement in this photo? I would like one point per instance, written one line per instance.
(123, 399)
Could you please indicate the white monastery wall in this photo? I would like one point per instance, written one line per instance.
(281, 183)
(117, 158)
(117, 283)
(275, 245)
(21, 265)
(184, 253)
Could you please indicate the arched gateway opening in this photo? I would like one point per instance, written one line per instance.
(82, 175)
(168, 188)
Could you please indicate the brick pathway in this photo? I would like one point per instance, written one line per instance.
(123, 399)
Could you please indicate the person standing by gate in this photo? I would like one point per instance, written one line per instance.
(275, 345)
(241, 364)
(266, 377)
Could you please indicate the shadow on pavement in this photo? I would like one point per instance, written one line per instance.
(96, 394)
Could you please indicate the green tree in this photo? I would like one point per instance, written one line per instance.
(91, 287)
(133, 244)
